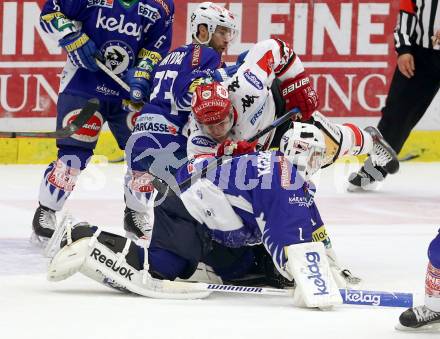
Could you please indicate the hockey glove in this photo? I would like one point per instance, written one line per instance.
(241, 57)
(81, 50)
(138, 78)
(229, 147)
(223, 74)
(299, 93)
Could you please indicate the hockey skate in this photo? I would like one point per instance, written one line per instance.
(382, 161)
(420, 319)
(43, 225)
(137, 224)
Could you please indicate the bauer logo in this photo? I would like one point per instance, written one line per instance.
(125, 272)
(253, 80)
(360, 297)
(313, 259)
(89, 132)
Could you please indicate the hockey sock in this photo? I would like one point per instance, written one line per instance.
(432, 281)
(61, 176)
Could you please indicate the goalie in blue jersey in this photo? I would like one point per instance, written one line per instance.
(255, 198)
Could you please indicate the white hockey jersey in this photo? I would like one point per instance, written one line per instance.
(251, 97)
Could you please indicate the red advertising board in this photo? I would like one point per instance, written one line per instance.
(346, 46)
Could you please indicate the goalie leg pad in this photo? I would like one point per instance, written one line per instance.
(308, 264)
(114, 261)
(68, 261)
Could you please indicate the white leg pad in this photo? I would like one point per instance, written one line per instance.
(98, 262)
(68, 260)
(308, 264)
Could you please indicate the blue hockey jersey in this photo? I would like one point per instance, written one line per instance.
(251, 199)
(174, 82)
(122, 30)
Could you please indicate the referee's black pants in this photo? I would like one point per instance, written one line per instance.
(408, 99)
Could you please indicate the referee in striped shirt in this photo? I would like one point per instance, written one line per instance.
(415, 82)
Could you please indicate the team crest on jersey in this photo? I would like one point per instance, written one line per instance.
(148, 12)
(252, 79)
(118, 56)
(100, 3)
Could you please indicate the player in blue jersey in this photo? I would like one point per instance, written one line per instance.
(426, 318)
(158, 143)
(256, 198)
(131, 37)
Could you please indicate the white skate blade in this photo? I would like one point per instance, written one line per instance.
(429, 328)
(376, 185)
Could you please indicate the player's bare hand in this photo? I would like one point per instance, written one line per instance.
(405, 62)
(436, 39)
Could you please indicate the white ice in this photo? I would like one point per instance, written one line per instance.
(381, 236)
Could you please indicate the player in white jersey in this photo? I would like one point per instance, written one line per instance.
(223, 120)
(225, 115)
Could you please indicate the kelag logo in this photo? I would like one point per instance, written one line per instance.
(313, 258)
(360, 298)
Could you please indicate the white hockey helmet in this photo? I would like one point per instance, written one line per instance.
(212, 15)
(304, 146)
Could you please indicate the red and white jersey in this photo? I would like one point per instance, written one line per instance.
(251, 97)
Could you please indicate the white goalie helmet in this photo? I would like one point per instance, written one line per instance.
(304, 146)
(212, 15)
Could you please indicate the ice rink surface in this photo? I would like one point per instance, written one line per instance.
(382, 236)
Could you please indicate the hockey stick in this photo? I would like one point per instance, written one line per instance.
(220, 161)
(112, 75)
(84, 115)
(351, 297)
